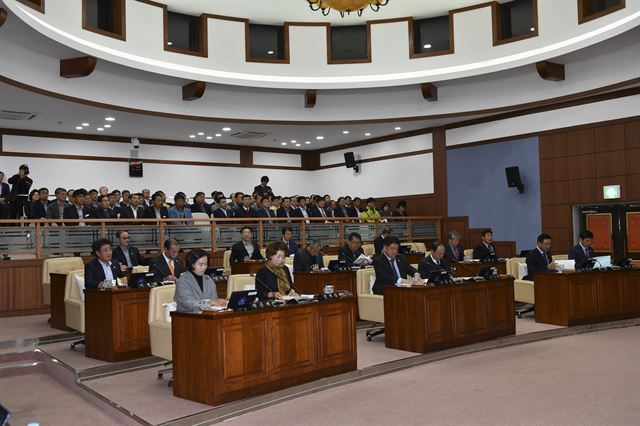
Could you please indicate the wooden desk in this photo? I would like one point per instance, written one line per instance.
(58, 315)
(472, 269)
(424, 319)
(314, 282)
(223, 357)
(572, 298)
(221, 288)
(116, 324)
(413, 258)
(243, 267)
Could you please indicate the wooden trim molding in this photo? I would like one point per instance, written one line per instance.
(585, 11)
(550, 70)
(380, 158)
(34, 4)
(440, 171)
(203, 39)
(3, 16)
(429, 92)
(310, 98)
(193, 91)
(119, 21)
(412, 47)
(77, 67)
(496, 23)
(366, 60)
(247, 47)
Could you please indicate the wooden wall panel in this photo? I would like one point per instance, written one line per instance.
(633, 187)
(460, 224)
(554, 169)
(580, 142)
(553, 145)
(417, 205)
(558, 216)
(632, 157)
(561, 239)
(6, 302)
(582, 166)
(609, 138)
(632, 135)
(582, 191)
(611, 163)
(554, 193)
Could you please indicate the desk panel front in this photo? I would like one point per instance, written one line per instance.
(314, 282)
(222, 357)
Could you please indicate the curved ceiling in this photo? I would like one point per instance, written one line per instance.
(279, 11)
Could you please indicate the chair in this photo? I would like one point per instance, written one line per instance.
(57, 265)
(369, 249)
(226, 262)
(238, 281)
(560, 257)
(523, 290)
(160, 305)
(140, 269)
(74, 302)
(204, 218)
(328, 258)
(370, 306)
(418, 247)
(468, 253)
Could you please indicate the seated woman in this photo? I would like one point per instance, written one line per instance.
(193, 286)
(273, 280)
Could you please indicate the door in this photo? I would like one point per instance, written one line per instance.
(615, 227)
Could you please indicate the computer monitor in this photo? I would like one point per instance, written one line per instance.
(439, 276)
(141, 279)
(242, 300)
(336, 264)
(214, 272)
(602, 261)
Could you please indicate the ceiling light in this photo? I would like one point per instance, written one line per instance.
(107, 126)
(297, 144)
(85, 124)
(343, 6)
(308, 142)
(367, 134)
(270, 52)
(397, 128)
(532, 29)
(200, 133)
(192, 136)
(209, 137)
(226, 129)
(100, 129)
(345, 132)
(427, 46)
(169, 43)
(110, 119)
(283, 143)
(218, 135)
(319, 138)
(79, 127)
(293, 141)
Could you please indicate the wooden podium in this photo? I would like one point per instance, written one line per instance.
(572, 298)
(424, 318)
(246, 267)
(219, 357)
(314, 282)
(58, 315)
(472, 269)
(116, 324)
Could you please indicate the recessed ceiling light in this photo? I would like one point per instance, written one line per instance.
(200, 133)
(85, 124)
(427, 46)
(169, 43)
(283, 143)
(293, 141)
(397, 128)
(297, 144)
(367, 134)
(532, 29)
(107, 126)
(308, 142)
(79, 127)
(319, 138)
(192, 136)
(209, 137)
(100, 129)
(218, 135)
(110, 119)
(226, 129)
(345, 132)
(270, 52)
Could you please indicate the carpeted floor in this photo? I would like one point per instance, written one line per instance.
(14, 328)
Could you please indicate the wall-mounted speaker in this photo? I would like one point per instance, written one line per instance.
(350, 161)
(513, 178)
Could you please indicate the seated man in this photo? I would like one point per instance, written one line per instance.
(133, 210)
(114, 204)
(125, 253)
(102, 267)
(352, 249)
(245, 249)
(453, 251)
(292, 246)
(103, 211)
(180, 210)
(156, 210)
(377, 243)
(582, 251)
(309, 259)
(199, 205)
(167, 266)
(434, 262)
(539, 259)
(485, 250)
(392, 268)
(265, 208)
(222, 212)
(245, 211)
(77, 210)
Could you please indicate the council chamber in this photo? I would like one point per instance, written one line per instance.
(319, 212)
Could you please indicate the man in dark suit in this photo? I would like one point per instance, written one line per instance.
(167, 266)
(245, 248)
(19, 194)
(56, 208)
(245, 211)
(392, 268)
(103, 211)
(263, 189)
(582, 251)
(318, 209)
(134, 210)
(77, 210)
(5, 190)
(539, 259)
(378, 242)
(453, 251)
(125, 253)
(285, 208)
(292, 246)
(352, 249)
(222, 212)
(436, 260)
(114, 204)
(309, 259)
(340, 210)
(296, 210)
(102, 267)
(199, 205)
(485, 250)
(265, 208)
(156, 210)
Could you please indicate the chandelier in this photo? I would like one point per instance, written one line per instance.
(347, 6)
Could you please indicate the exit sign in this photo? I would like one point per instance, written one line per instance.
(611, 192)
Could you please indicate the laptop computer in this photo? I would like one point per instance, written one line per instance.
(438, 277)
(602, 261)
(336, 264)
(214, 273)
(242, 300)
(141, 279)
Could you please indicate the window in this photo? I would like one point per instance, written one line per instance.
(184, 33)
(592, 9)
(106, 17)
(515, 20)
(349, 44)
(267, 43)
(35, 4)
(431, 36)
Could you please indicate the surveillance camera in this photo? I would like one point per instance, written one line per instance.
(135, 142)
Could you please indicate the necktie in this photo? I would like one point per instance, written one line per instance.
(170, 265)
(455, 252)
(586, 252)
(393, 268)
(323, 213)
(546, 259)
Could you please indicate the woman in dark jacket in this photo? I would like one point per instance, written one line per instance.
(273, 280)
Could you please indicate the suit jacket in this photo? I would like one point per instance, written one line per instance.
(385, 275)
(262, 190)
(188, 293)
(127, 213)
(448, 253)
(427, 265)
(150, 212)
(295, 212)
(35, 210)
(200, 208)
(101, 214)
(292, 247)
(266, 282)
(241, 213)
(158, 265)
(262, 212)
(315, 212)
(536, 263)
(238, 252)
(577, 253)
(282, 212)
(352, 212)
(396, 213)
(70, 212)
(378, 244)
(4, 193)
(482, 252)
(303, 261)
(338, 212)
(54, 211)
(222, 213)
(116, 212)
(347, 255)
(185, 214)
(134, 254)
(94, 274)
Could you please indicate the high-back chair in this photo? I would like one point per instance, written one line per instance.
(370, 306)
(418, 246)
(204, 218)
(74, 302)
(238, 281)
(468, 252)
(161, 305)
(226, 262)
(523, 290)
(328, 258)
(369, 249)
(57, 265)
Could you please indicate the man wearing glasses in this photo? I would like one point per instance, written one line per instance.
(539, 259)
(127, 254)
